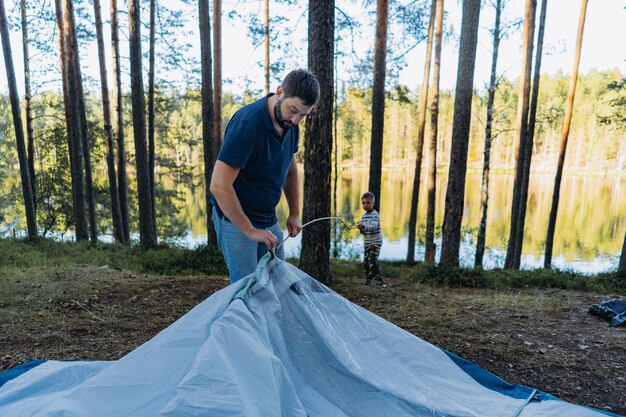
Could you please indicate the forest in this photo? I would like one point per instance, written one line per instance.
(106, 156)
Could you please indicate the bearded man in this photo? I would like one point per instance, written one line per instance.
(256, 164)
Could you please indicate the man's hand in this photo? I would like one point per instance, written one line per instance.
(293, 225)
(263, 236)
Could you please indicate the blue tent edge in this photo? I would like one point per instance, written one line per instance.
(495, 383)
(13, 373)
(480, 375)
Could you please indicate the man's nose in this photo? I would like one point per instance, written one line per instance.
(296, 119)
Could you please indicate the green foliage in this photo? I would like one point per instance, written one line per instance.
(54, 193)
(616, 98)
(42, 252)
(451, 276)
(594, 143)
(170, 260)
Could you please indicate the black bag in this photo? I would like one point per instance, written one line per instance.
(612, 310)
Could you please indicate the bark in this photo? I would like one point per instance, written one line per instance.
(27, 190)
(217, 75)
(532, 117)
(522, 128)
(151, 145)
(30, 138)
(455, 192)
(147, 237)
(622, 259)
(337, 229)
(62, 57)
(378, 101)
(76, 94)
(318, 143)
(267, 46)
(74, 125)
(118, 123)
(207, 109)
(484, 194)
(116, 215)
(429, 255)
(567, 121)
(421, 127)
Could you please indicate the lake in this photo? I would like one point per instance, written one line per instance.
(589, 230)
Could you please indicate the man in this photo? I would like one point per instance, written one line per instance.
(255, 165)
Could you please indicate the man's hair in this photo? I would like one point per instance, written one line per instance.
(302, 84)
(368, 196)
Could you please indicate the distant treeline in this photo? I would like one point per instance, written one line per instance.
(593, 147)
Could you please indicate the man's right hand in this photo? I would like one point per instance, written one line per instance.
(263, 236)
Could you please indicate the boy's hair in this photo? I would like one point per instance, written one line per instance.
(302, 84)
(368, 196)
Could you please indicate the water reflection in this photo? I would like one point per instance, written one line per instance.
(589, 230)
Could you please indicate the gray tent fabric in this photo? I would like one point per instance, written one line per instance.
(277, 343)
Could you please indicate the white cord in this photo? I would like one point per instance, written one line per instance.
(313, 221)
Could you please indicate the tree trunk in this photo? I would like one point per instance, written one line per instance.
(378, 101)
(27, 189)
(147, 236)
(118, 123)
(74, 126)
(151, 145)
(455, 192)
(208, 140)
(217, 75)
(66, 105)
(116, 215)
(622, 259)
(567, 121)
(429, 255)
(30, 139)
(267, 46)
(318, 143)
(529, 141)
(76, 85)
(522, 128)
(421, 127)
(336, 228)
(484, 193)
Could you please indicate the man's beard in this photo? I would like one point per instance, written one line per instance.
(285, 124)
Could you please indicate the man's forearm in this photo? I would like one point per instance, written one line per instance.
(292, 194)
(291, 188)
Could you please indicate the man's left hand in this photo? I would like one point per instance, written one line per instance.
(293, 225)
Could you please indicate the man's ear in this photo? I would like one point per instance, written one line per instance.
(279, 91)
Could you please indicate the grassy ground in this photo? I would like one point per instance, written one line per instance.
(71, 301)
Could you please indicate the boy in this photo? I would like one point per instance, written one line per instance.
(373, 240)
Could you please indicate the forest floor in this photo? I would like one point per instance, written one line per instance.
(541, 338)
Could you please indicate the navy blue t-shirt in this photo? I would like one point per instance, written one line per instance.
(252, 144)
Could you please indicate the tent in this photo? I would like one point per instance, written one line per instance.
(277, 343)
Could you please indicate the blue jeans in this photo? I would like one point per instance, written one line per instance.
(240, 253)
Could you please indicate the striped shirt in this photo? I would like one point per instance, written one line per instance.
(372, 234)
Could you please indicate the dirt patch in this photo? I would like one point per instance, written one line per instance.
(540, 338)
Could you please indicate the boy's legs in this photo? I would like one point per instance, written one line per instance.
(372, 270)
(366, 266)
(240, 253)
(374, 266)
